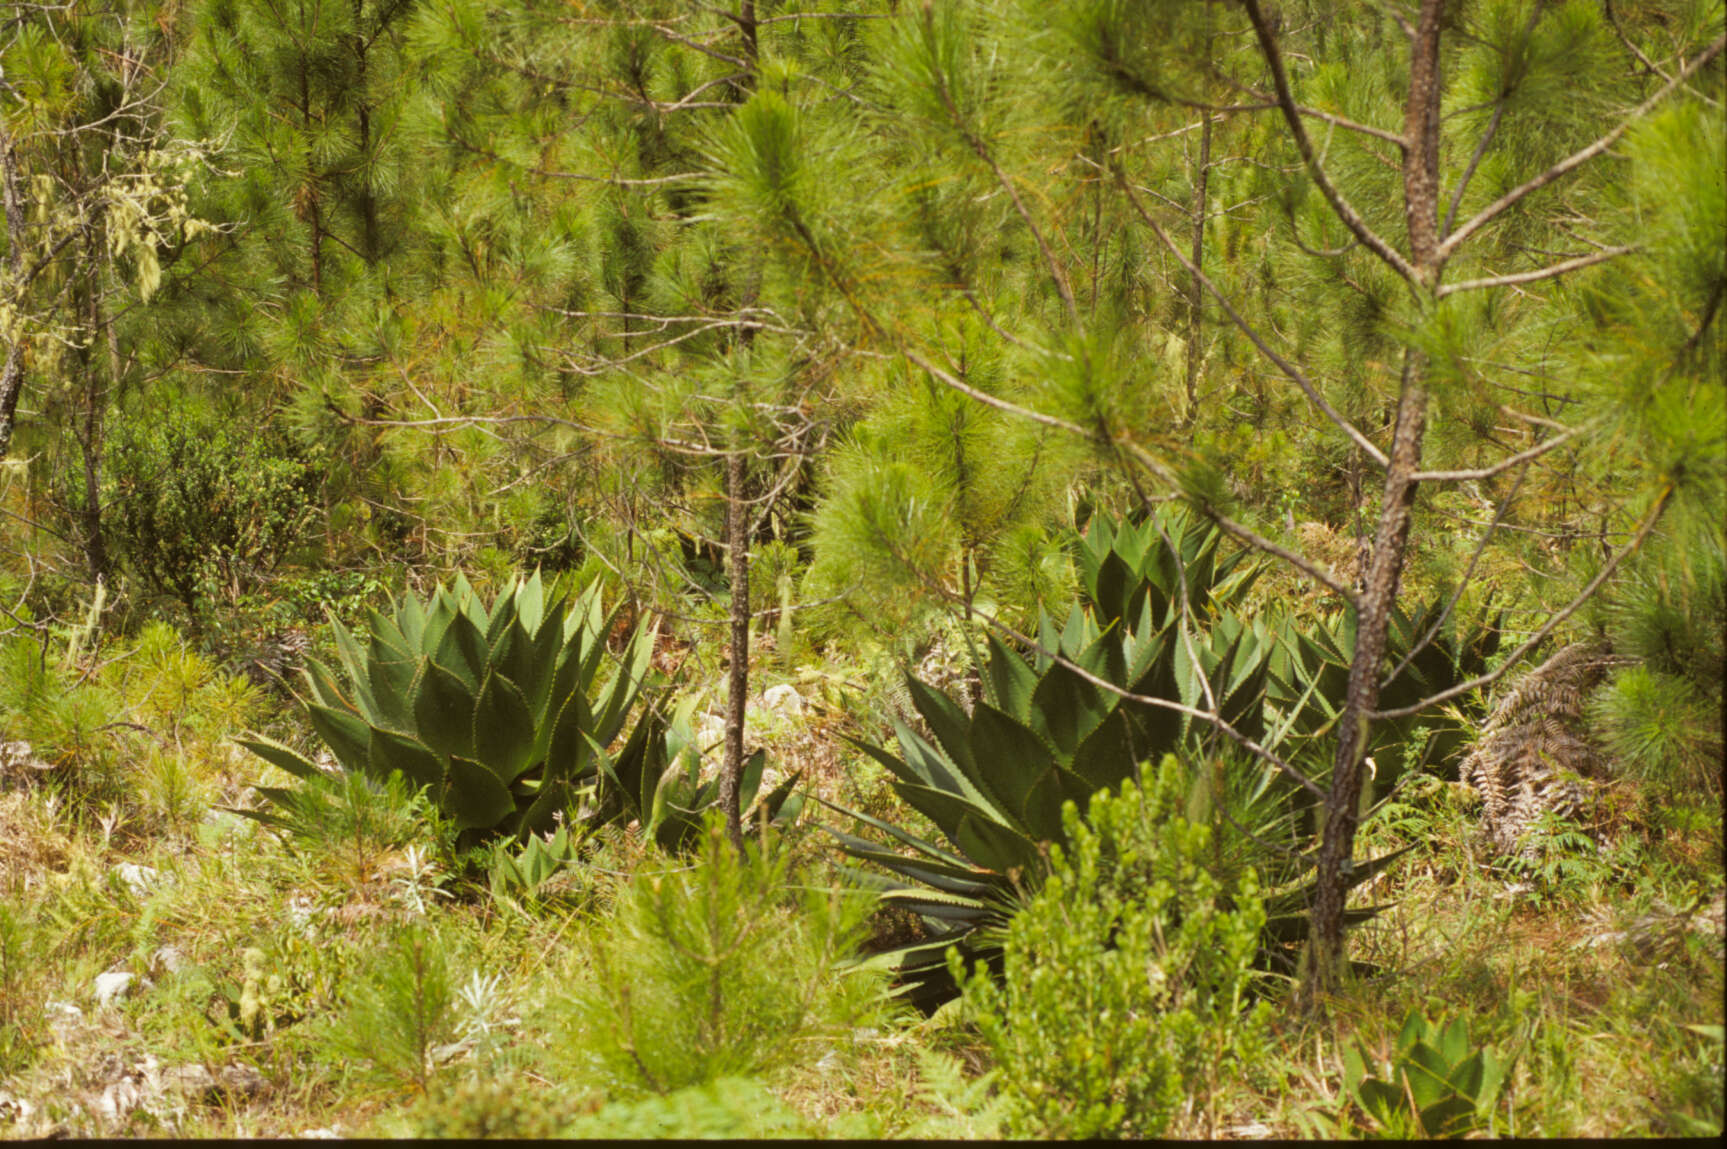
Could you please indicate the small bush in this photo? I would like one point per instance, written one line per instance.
(718, 969)
(402, 1014)
(1126, 976)
(199, 513)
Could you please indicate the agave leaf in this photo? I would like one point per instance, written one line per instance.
(462, 650)
(411, 622)
(928, 849)
(439, 613)
(1042, 811)
(947, 722)
(955, 879)
(518, 658)
(354, 662)
(531, 604)
(345, 733)
(503, 728)
(394, 682)
(1011, 759)
(323, 686)
(469, 601)
(1014, 680)
(444, 711)
(895, 766)
(280, 756)
(478, 798)
(780, 804)
(978, 836)
(1107, 757)
(389, 751)
(498, 625)
(568, 754)
(1066, 709)
(928, 765)
(935, 904)
(621, 693)
(283, 799)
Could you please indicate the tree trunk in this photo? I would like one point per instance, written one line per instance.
(95, 382)
(1325, 961)
(738, 678)
(1325, 956)
(12, 372)
(1196, 297)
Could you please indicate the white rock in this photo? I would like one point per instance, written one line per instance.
(710, 731)
(112, 986)
(329, 1134)
(191, 1080)
(784, 699)
(63, 1011)
(139, 879)
(119, 1099)
(168, 959)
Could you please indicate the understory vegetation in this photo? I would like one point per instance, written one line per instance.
(1103, 568)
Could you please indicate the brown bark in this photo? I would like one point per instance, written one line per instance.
(12, 371)
(1373, 619)
(1325, 957)
(738, 676)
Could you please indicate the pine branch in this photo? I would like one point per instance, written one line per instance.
(1578, 158)
(1487, 136)
(1503, 465)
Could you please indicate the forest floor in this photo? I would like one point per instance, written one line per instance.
(168, 968)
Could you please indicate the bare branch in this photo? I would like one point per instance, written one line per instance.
(949, 380)
(1547, 628)
(1284, 365)
(1539, 273)
(1503, 465)
(1292, 116)
(1576, 159)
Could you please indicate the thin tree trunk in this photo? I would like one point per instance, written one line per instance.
(1325, 955)
(1196, 296)
(738, 679)
(95, 410)
(12, 372)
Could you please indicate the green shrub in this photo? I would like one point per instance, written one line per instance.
(485, 1108)
(1126, 977)
(721, 968)
(198, 511)
(733, 1108)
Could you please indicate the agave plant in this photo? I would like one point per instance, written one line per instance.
(1438, 1083)
(492, 712)
(656, 780)
(993, 781)
(1310, 673)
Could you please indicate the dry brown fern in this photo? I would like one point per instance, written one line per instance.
(1532, 755)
